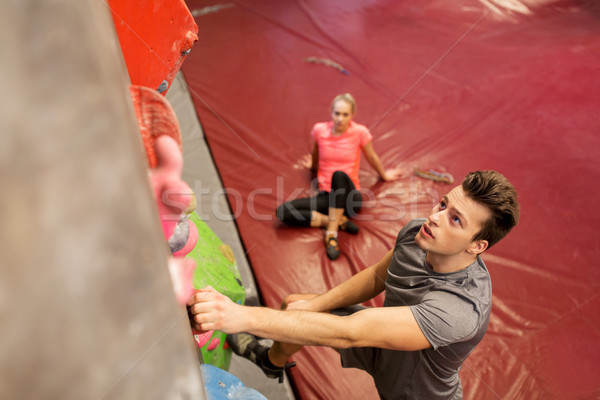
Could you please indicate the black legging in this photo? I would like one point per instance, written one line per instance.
(343, 195)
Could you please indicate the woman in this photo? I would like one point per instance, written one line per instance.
(336, 157)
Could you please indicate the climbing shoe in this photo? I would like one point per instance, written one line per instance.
(331, 247)
(248, 346)
(349, 226)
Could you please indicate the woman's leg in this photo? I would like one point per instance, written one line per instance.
(304, 212)
(343, 199)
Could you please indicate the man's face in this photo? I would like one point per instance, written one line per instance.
(452, 224)
(341, 115)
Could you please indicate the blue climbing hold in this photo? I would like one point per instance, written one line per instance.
(221, 385)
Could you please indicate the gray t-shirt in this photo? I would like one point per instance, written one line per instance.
(452, 310)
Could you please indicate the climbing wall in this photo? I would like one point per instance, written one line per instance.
(87, 305)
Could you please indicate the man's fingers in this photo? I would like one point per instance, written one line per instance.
(208, 309)
(201, 327)
(201, 295)
(205, 322)
(207, 304)
(203, 306)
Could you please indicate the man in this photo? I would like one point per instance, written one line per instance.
(436, 310)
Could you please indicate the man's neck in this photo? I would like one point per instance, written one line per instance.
(446, 264)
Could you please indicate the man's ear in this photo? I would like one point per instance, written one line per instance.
(478, 247)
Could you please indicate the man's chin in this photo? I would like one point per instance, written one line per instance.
(420, 241)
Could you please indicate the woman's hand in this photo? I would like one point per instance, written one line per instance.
(392, 174)
(306, 161)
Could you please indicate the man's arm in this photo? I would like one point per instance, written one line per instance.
(388, 327)
(385, 327)
(361, 287)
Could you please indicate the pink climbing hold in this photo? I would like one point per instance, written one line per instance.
(181, 271)
(213, 344)
(202, 337)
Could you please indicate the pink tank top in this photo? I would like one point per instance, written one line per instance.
(339, 153)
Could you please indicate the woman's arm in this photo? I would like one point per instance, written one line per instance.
(315, 157)
(373, 159)
(311, 160)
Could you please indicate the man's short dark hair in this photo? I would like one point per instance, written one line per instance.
(497, 194)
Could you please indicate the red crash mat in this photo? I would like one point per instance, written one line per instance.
(454, 86)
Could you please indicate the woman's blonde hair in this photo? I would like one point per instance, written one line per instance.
(348, 98)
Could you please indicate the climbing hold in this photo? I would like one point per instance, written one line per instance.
(221, 385)
(213, 344)
(163, 86)
(202, 337)
(227, 253)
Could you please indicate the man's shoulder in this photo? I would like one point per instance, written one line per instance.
(409, 231)
(407, 254)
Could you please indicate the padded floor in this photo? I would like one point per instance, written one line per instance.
(454, 86)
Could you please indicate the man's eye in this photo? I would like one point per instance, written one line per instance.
(442, 205)
(456, 220)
